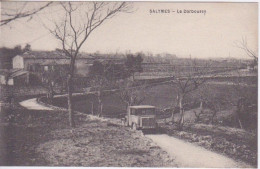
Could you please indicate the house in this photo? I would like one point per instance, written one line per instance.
(37, 61)
(14, 77)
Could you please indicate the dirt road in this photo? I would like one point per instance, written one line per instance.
(32, 104)
(184, 153)
(190, 155)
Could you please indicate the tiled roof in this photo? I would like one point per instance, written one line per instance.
(12, 72)
(18, 73)
(51, 55)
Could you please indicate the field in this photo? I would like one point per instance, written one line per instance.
(164, 95)
(224, 136)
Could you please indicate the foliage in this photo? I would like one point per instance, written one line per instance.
(104, 76)
(7, 54)
(72, 31)
(134, 63)
(54, 76)
(111, 71)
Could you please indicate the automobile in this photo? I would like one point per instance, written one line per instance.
(140, 117)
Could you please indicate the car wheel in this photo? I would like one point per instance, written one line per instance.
(134, 126)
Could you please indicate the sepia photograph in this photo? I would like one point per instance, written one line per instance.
(129, 84)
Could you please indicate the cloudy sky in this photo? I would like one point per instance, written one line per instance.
(200, 35)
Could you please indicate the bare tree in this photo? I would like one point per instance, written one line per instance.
(74, 27)
(249, 52)
(187, 82)
(245, 100)
(12, 12)
(99, 83)
(199, 112)
(211, 102)
(130, 94)
(55, 75)
(104, 76)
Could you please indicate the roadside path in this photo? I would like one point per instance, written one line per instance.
(190, 155)
(33, 105)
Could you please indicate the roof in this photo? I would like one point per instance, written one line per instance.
(142, 107)
(51, 55)
(18, 73)
(13, 72)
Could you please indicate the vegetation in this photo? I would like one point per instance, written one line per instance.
(7, 54)
(20, 11)
(44, 138)
(54, 76)
(72, 32)
(134, 64)
(219, 115)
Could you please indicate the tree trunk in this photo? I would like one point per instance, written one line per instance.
(238, 111)
(181, 121)
(240, 124)
(172, 117)
(213, 116)
(99, 104)
(101, 109)
(238, 118)
(92, 108)
(51, 92)
(197, 116)
(70, 106)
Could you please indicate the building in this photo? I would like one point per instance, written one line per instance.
(14, 77)
(37, 61)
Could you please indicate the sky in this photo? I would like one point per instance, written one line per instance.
(201, 35)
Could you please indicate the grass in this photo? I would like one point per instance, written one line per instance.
(43, 138)
(164, 96)
(235, 143)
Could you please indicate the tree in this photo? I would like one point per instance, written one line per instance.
(98, 82)
(194, 77)
(115, 72)
(244, 98)
(105, 76)
(13, 11)
(130, 94)
(249, 52)
(210, 102)
(7, 54)
(134, 64)
(73, 28)
(27, 48)
(55, 75)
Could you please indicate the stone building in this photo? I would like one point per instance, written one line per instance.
(36, 61)
(14, 77)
